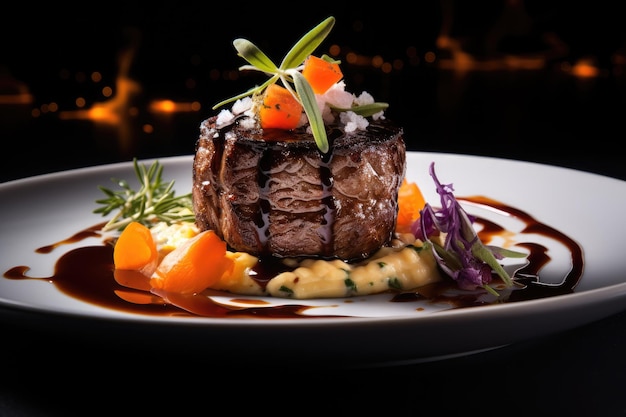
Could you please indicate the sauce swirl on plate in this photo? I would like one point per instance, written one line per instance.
(87, 273)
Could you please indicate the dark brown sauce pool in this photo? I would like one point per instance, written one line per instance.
(87, 273)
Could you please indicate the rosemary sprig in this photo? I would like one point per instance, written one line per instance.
(154, 201)
(289, 73)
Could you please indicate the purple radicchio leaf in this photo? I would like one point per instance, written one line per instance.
(463, 256)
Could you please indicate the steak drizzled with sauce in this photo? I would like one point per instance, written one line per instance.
(271, 192)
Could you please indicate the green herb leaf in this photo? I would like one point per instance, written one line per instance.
(394, 283)
(251, 91)
(289, 73)
(350, 285)
(307, 45)
(249, 51)
(307, 97)
(365, 110)
(154, 201)
(286, 290)
(330, 59)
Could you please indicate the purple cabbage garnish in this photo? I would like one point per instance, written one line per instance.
(463, 256)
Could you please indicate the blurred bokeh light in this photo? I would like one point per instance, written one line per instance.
(127, 79)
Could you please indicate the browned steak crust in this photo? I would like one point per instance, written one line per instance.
(271, 192)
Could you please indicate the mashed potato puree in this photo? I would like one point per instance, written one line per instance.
(403, 266)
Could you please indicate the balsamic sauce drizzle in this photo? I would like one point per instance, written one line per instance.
(129, 291)
(269, 154)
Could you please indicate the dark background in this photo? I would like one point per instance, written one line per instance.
(537, 80)
(183, 52)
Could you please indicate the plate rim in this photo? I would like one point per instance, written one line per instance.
(599, 302)
(187, 159)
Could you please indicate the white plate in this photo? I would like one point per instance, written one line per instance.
(589, 208)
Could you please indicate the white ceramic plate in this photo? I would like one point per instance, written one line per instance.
(588, 208)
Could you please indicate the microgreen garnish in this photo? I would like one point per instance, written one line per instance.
(463, 256)
(289, 73)
(154, 201)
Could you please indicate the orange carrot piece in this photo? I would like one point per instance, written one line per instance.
(135, 249)
(132, 279)
(321, 74)
(280, 109)
(193, 266)
(410, 202)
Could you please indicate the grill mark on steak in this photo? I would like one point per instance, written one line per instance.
(271, 192)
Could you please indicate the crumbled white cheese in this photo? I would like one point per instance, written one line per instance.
(380, 115)
(338, 96)
(248, 123)
(364, 98)
(242, 105)
(353, 121)
(224, 117)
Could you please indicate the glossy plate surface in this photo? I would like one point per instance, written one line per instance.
(40, 211)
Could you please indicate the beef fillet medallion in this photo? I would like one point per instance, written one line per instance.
(271, 192)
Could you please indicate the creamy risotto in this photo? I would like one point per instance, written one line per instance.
(404, 265)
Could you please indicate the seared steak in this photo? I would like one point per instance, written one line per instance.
(271, 192)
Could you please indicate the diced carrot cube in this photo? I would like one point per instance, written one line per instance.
(280, 109)
(321, 74)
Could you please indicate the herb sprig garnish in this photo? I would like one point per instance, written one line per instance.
(289, 73)
(154, 201)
